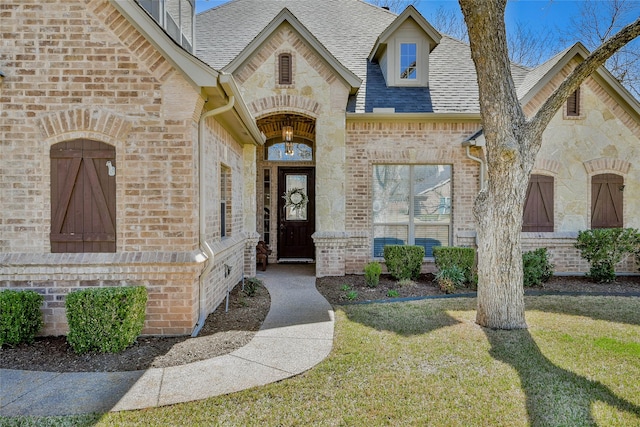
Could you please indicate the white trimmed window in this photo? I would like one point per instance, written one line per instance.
(411, 206)
(408, 61)
(226, 219)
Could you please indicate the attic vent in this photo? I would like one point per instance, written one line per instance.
(285, 69)
(573, 104)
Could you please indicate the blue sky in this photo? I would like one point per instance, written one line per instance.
(541, 16)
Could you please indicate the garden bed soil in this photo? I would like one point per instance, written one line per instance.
(336, 289)
(225, 332)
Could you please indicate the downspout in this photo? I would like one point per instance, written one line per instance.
(483, 184)
(204, 246)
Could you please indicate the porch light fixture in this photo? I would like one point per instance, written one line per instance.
(287, 137)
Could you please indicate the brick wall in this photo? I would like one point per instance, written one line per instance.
(405, 142)
(79, 69)
(171, 281)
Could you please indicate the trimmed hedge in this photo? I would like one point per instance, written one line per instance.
(447, 257)
(106, 320)
(20, 316)
(536, 267)
(404, 261)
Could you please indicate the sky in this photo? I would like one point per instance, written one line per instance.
(539, 15)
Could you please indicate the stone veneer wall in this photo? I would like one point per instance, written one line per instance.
(316, 92)
(81, 70)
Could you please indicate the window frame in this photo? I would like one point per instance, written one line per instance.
(420, 69)
(411, 224)
(402, 71)
(226, 201)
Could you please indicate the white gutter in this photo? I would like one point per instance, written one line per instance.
(483, 183)
(204, 246)
(477, 141)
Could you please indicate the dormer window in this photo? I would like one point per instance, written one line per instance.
(403, 49)
(408, 61)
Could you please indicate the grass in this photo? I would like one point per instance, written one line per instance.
(428, 363)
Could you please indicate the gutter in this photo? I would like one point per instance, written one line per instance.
(477, 140)
(204, 246)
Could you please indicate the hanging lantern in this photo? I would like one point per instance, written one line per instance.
(287, 137)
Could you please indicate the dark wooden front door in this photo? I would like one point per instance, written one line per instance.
(295, 226)
(83, 197)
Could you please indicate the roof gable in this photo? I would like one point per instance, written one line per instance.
(410, 12)
(542, 75)
(286, 17)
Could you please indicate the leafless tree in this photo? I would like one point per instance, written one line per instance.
(512, 143)
(597, 21)
(395, 6)
(530, 48)
(526, 47)
(450, 23)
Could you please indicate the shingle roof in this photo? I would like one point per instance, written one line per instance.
(349, 30)
(534, 75)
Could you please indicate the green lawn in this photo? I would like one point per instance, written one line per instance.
(428, 363)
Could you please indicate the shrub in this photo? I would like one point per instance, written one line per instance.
(405, 282)
(372, 273)
(537, 268)
(107, 320)
(603, 248)
(20, 316)
(449, 256)
(451, 276)
(404, 261)
(352, 295)
(392, 293)
(251, 286)
(446, 285)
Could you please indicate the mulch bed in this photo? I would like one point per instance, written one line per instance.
(224, 332)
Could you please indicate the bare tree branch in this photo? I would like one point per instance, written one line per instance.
(527, 47)
(598, 20)
(450, 23)
(395, 6)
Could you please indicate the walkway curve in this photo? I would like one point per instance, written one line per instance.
(296, 335)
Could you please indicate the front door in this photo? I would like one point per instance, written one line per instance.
(296, 213)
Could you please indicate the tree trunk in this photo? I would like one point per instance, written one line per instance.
(512, 145)
(498, 212)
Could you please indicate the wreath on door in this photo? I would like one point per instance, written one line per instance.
(296, 199)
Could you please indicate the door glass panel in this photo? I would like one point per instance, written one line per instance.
(296, 193)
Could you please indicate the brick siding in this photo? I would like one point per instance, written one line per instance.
(79, 69)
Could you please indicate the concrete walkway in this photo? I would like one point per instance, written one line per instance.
(296, 335)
